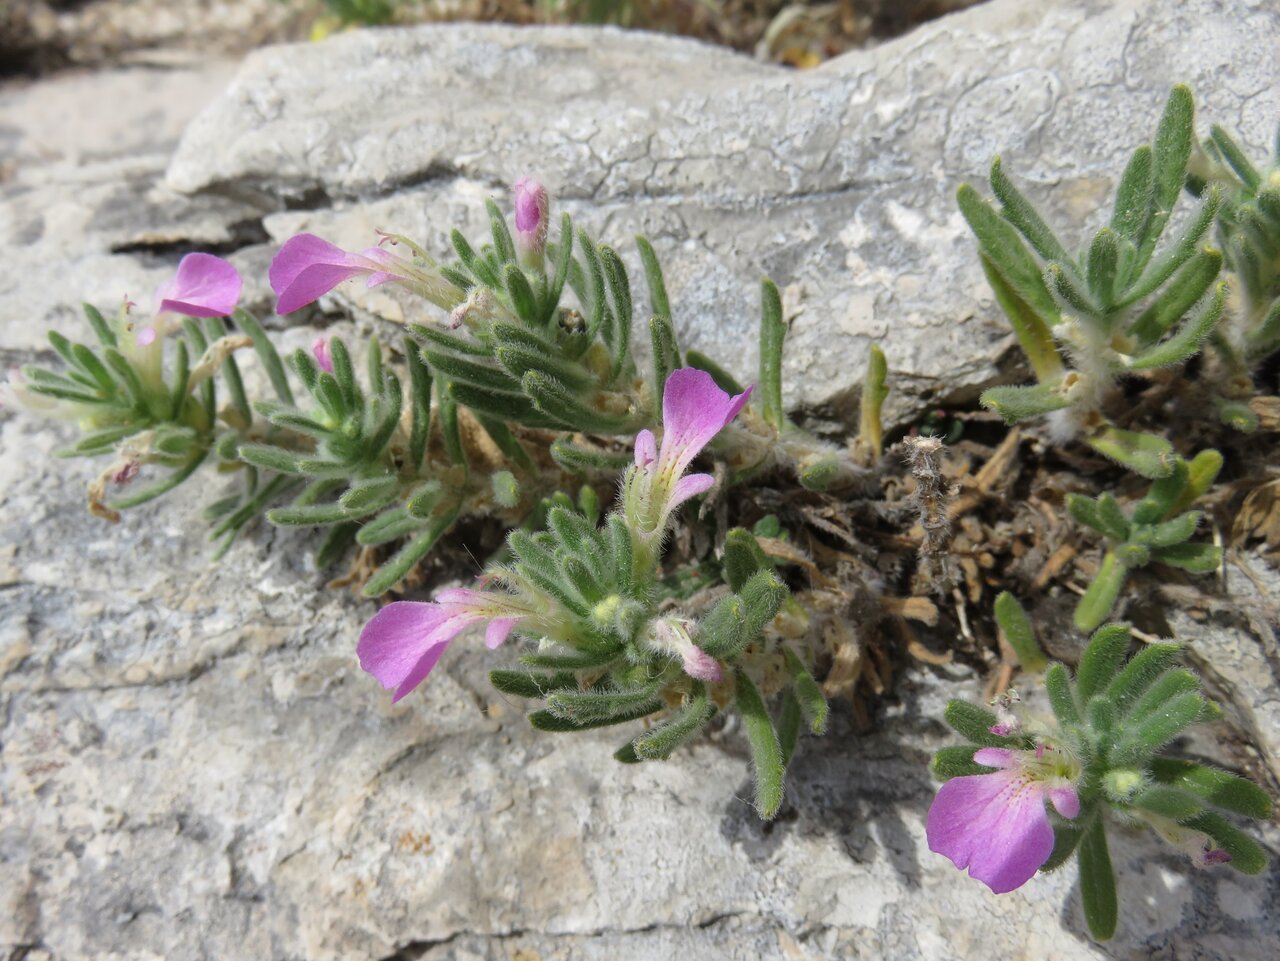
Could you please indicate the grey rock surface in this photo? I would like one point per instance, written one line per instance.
(837, 182)
(193, 764)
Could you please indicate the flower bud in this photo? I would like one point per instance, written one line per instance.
(531, 220)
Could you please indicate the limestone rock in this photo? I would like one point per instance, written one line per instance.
(193, 764)
(838, 182)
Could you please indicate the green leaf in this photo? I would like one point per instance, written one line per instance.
(1016, 625)
(1031, 325)
(1062, 697)
(1202, 471)
(1146, 734)
(1222, 789)
(773, 330)
(1169, 533)
(580, 459)
(599, 704)
(559, 403)
(1097, 881)
(949, 762)
(658, 743)
(1177, 253)
(1101, 660)
(1184, 344)
(547, 721)
(521, 294)
(308, 515)
(789, 721)
(370, 494)
(464, 371)
(1144, 454)
(564, 259)
(1162, 495)
(1018, 211)
(1092, 513)
(1173, 146)
(617, 335)
(659, 305)
(1247, 856)
(722, 633)
(1181, 294)
(1235, 158)
(766, 751)
(163, 486)
(266, 353)
(1100, 275)
(1196, 558)
(1007, 255)
(762, 595)
(576, 661)
(1019, 403)
(101, 329)
(1143, 670)
(521, 351)
(405, 559)
(1066, 838)
(272, 458)
(1167, 802)
(742, 558)
(503, 246)
(422, 501)
(530, 685)
(807, 693)
(1135, 199)
(1067, 287)
(973, 723)
(666, 353)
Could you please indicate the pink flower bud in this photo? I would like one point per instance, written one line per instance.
(320, 348)
(531, 216)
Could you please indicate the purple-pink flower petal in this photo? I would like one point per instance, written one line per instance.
(701, 665)
(646, 449)
(308, 267)
(694, 410)
(403, 641)
(691, 485)
(531, 214)
(1065, 801)
(204, 286)
(498, 631)
(1000, 757)
(993, 824)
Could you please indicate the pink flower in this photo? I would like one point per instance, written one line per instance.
(996, 824)
(404, 640)
(671, 635)
(531, 216)
(694, 411)
(320, 348)
(307, 268)
(204, 286)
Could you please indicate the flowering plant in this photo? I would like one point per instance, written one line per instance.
(1096, 760)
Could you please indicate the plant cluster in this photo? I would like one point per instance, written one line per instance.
(519, 393)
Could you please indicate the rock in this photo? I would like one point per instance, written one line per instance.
(838, 182)
(194, 765)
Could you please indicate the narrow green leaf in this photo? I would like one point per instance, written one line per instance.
(1100, 275)
(1144, 454)
(1019, 211)
(101, 329)
(1143, 670)
(1235, 158)
(1102, 660)
(1177, 253)
(309, 515)
(1007, 255)
(1016, 625)
(773, 330)
(1181, 294)
(659, 305)
(1185, 343)
(807, 693)
(1162, 495)
(659, 743)
(742, 558)
(1222, 789)
(1135, 198)
(530, 685)
(1091, 513)
(875, 389)
(405, 559)
(522, 299)
(266, 353)
(1066, 838)
(1030, 324)
(1196, 558)
(1019, 403)
(564, 259)
(1147, 734)
(949, 762)
(552, 723)
(973, 723)
(1097, 881)
(665, 351)
(1062, 696)
(1167, 802)
(1247, 856)
(598, 704)
(766, 751)
(563, 406)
